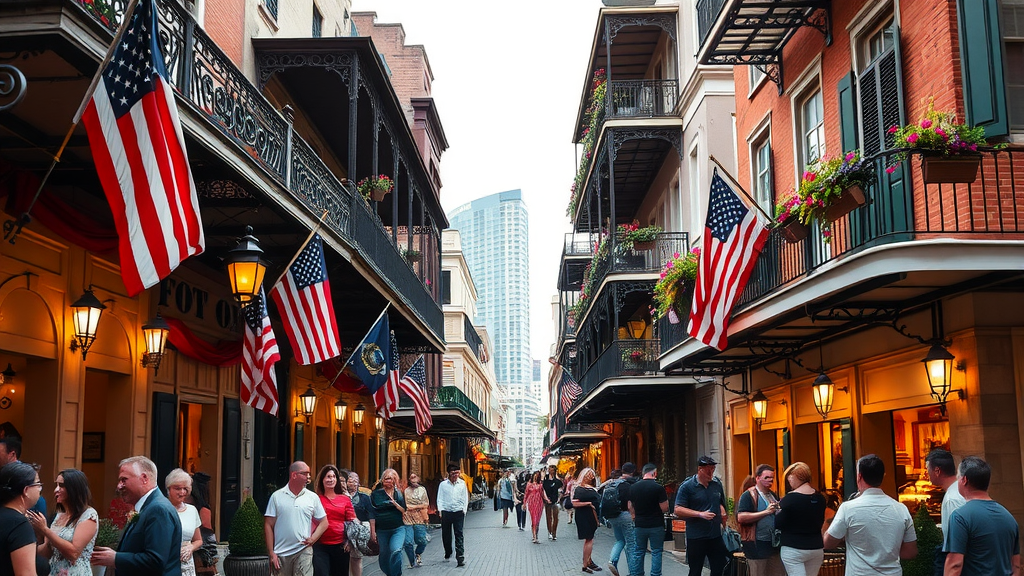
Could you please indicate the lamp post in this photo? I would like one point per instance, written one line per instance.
(85, 315)
(154, 334)
(246, 268)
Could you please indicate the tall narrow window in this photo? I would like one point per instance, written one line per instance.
(271, 7)
(763, 174)
(318, 22)
(1013, 41)
(812, 128)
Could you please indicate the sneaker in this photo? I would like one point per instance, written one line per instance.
(460, 564)
(554, 537)
(613, 569)
(419, 561)
(447, 558)
(550, 537)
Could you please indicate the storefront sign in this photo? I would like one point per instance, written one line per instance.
(193, 301)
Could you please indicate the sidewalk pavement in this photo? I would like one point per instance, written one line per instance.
(497, 551)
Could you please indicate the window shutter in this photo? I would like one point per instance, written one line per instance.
(981, 62)
(847, 114)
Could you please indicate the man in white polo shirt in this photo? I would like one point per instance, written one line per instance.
(288, 523)
(878, 530)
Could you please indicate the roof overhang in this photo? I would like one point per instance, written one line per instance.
(755, 31)
(618, 399)
(447, 422)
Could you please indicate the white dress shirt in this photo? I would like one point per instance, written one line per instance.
(452, 496)
(875, 527)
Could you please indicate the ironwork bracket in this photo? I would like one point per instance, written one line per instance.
(859, 315)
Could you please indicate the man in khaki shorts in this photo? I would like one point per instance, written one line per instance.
(288, 524)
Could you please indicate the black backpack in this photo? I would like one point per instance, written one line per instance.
(611, 506)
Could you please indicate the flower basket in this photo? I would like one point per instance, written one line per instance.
(643, 246)
(413, 257)
(851, 198)
(793, 230)
(375, 188)
(950, 169)
(376, 194)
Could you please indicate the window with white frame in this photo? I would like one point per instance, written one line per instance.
(756, 75)
(761, 165)
(811, 126)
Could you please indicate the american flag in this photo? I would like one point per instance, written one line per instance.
(139, 152)
(386, 397)
(733, 237)
(259, 353)
(414, 384)
(570, 393)
(303, 297)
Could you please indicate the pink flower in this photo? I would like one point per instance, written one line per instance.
(810, 176)
(942, 133)
(890, 169)
(851, 156)
(926, 123)
(893, 129)
(676, 255)
(826, 233)
(912, 138)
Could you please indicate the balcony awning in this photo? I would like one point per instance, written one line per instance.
(576, 441)
(618, 399)
(447, 422)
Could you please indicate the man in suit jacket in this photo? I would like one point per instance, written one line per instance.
(151, 544)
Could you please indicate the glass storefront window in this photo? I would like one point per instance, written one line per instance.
(916, 432)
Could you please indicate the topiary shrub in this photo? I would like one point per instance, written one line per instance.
(247, 538)
(928, 537)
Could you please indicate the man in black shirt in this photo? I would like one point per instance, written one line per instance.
(552, 485)
(621, 521)
(701, 502)
(648, 504)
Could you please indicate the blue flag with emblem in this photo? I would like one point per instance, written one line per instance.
(370, 361)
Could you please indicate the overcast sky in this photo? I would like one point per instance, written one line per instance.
(507, 83)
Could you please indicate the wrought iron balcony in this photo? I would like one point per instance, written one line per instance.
(622, 358)
(641, 98)
(452, 397)
(472, 338)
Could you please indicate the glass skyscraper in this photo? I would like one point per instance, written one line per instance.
(495, 232)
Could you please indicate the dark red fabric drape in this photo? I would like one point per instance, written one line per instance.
(223, 353)
(344, 382)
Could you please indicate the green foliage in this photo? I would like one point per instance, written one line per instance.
(108, 534)
(674, 288)
(247, 538)
(938, 132)
(928, 537)
(592, 117)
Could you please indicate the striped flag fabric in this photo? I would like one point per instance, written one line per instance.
(570, 392)
(386, 397)
(137, 145)
(734, 235)
(259, 353)
(414, 384)
(303, 298)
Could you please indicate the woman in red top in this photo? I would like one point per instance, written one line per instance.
(534, 500)
(330, 558)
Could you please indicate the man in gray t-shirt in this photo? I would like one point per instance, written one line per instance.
(755, 512)
(982, 538)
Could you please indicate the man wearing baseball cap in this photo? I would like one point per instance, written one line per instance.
(701, 502)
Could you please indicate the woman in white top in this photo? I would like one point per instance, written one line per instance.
(68, 541)
(179, 484)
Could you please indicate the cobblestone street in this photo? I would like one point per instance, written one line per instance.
(497, 551)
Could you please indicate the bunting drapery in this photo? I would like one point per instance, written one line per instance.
(223, 353)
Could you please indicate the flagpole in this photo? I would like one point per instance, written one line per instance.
(740, 188)
(301, 248)
(356, 349)
(12, 228)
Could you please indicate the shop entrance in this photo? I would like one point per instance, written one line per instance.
(196, 449)
(106, 432)
(916, 432)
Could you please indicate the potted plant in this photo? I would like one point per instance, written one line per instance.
(411, 254)
(790, 218)
(375, 188)
(247, 545)
(638, 239)
(928, 538)
(672, 293)
(108, 535)
(949, 149)
(843, 184)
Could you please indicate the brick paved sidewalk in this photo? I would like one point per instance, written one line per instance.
(493, 550)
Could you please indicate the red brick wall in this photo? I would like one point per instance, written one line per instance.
(224, 21)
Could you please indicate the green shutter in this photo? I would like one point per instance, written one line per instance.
(847, 114)
(981, 62)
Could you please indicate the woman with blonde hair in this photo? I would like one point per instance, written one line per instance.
(585, 499)
(386, 525)
(801, 514)
(179, 486)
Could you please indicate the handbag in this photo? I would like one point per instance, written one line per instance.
(358, 535)
(207, 553)
(732, 540)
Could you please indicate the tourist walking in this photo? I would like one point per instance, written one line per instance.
(942, 472)
(585, 498)
(570, 483)
(179, 485)
(452, 503)
(615, 509)
(982, 537)
(522, 479)
(506, 496)
(552, 500)
(288, 524)
(386, 526)
(19, 490)
(800, 518)
(533, 501)
(416, 519)
(647, 506)
(700, 500)
(361, 504)
(755, 514)
(878, 530)
(151, 544)
(69, 539)
(330, 558)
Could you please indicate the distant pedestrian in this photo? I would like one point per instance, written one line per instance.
(179, 484)
(982, 538)
(942, 473)
(329, 555)
(585, 499)
(288, 524)
(69, 539)
(452, 503)
(615, 508)
(361, 504)
(648, 504)
(10, 451)
(552, 498)
(19, 489)
(416, 519)
(570, 483)
(522, 479)
(533, 501)
(387, 526)
(700, 500)
(800, 518)
(878, 530)
(506, 495)
(755, 513)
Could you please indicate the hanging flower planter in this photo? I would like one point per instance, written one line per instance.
(793, 230)
(673, 318)
(950, 169)
(413, 256)
(849, 200)
(643, 246)
(375, 188)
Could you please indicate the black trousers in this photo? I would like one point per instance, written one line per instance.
(521, 515)
(713, 549)
(453, 522)
(940, 560)
(330, 560)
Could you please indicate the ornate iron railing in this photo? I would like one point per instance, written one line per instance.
(707, 13)
(579, 243)
(452, 397)
(622, 358)
(472, 338)
(631, 98)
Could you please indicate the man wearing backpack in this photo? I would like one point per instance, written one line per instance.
(648, 504)
(615, 509)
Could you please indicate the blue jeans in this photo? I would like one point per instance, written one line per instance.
(644, 536)
(625, 538)
(391, 543)
(415, 534)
